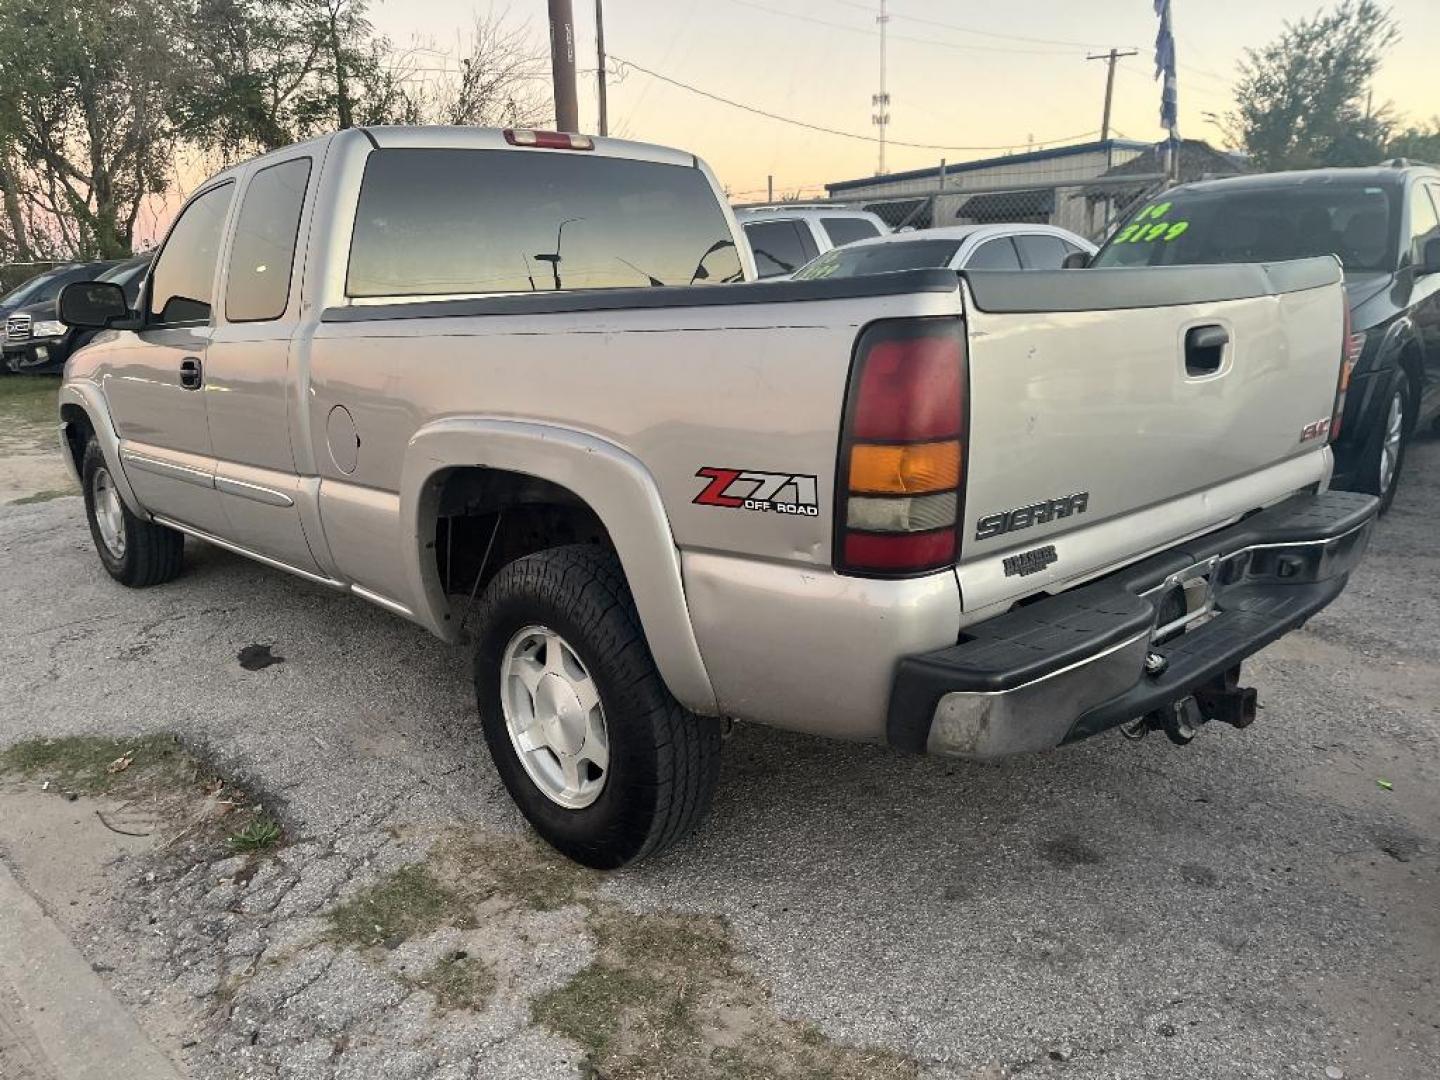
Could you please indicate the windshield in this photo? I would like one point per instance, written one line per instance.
(1358, 222)
(29, 291)
(862, 259)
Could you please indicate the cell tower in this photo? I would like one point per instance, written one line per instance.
(881, 101)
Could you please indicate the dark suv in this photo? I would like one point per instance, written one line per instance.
(37, 342)
(1384, 224)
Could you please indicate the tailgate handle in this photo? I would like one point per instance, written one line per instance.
(1205, 349)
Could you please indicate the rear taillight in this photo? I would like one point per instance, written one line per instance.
(1354, 345)
(902, 451)
(548, 140)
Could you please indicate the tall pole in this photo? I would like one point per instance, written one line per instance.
(562, 65)
(1111, 58)
(881, 117)
(600, 66)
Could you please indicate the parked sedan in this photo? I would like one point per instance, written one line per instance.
(959, 247)
(1384, 225)
(37, 342)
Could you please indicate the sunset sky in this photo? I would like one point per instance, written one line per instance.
(993, 75)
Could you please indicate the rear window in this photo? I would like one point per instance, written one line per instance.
(779, 247)
(1359, 222)
(846, 230)
(440, 222)
(886, 258)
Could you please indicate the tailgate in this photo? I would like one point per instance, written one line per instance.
(1113, 412)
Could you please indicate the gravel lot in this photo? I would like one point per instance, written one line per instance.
(1254, 905)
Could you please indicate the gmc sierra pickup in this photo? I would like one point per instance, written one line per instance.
(520, 386)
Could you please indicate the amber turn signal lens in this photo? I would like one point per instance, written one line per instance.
(905, 470)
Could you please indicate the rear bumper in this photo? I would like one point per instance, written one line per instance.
(1075, 664)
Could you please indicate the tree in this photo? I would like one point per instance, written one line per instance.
(84, 86)
(1303, 101)
(266, 73)
(1418, 142)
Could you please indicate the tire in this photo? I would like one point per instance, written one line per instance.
(135, 553)
(1383, 461)
(548, 623)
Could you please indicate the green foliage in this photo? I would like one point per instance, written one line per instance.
(1302, 101)
(259, 834)
(90, 765)
(408, 902)
(84, 86)
(1418, 142)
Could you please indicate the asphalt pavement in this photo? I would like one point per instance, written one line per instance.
(1257, 904)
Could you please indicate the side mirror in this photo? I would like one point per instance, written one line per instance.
(93, 305)
(1430, 264)
(1076, 260)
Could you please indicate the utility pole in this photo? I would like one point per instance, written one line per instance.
(600, 67)
(881, 101)
(1112, 57)
(562, 65)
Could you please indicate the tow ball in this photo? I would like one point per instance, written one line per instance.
(1222, 699)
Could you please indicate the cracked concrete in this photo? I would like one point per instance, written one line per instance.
(1234, 909)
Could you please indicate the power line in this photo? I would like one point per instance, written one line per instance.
(971, 30)
(897, 37)
(818, 127)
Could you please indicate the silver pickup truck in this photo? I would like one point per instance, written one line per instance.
(520, 386)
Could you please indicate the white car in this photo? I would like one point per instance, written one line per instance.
(959, 247)
(786, 237)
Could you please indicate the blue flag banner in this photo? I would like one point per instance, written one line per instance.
(1165, 68)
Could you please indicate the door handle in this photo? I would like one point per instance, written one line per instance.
(1205, 349)
(191, 374)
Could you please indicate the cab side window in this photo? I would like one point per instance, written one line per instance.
(262, 256)
(994, 255)
(1424, 223)
(182, 285)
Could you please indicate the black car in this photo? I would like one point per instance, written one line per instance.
(36, 341)
(1384, 224)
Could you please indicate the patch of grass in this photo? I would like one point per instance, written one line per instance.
(90, 765)
(410, 901)
(258, 834)
(43, 496)
(460, 981)
(664, 997)
(29, 399)
(518, 870)
(201, 804)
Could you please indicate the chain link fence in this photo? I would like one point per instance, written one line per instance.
(1090, 208)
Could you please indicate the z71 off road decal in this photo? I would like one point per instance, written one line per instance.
(740, 489)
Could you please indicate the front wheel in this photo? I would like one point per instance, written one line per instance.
(604, 763)
(134, 552)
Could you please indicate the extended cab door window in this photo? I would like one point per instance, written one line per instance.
(262, 256)
(182, 285)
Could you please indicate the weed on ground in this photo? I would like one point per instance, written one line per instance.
(156, 771)
(664, 996)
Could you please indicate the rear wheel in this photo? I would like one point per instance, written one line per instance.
(604, 763)
(134, 552)
(1381, 469)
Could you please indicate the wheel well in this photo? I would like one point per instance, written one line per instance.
(508, 514)
(78, 430)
